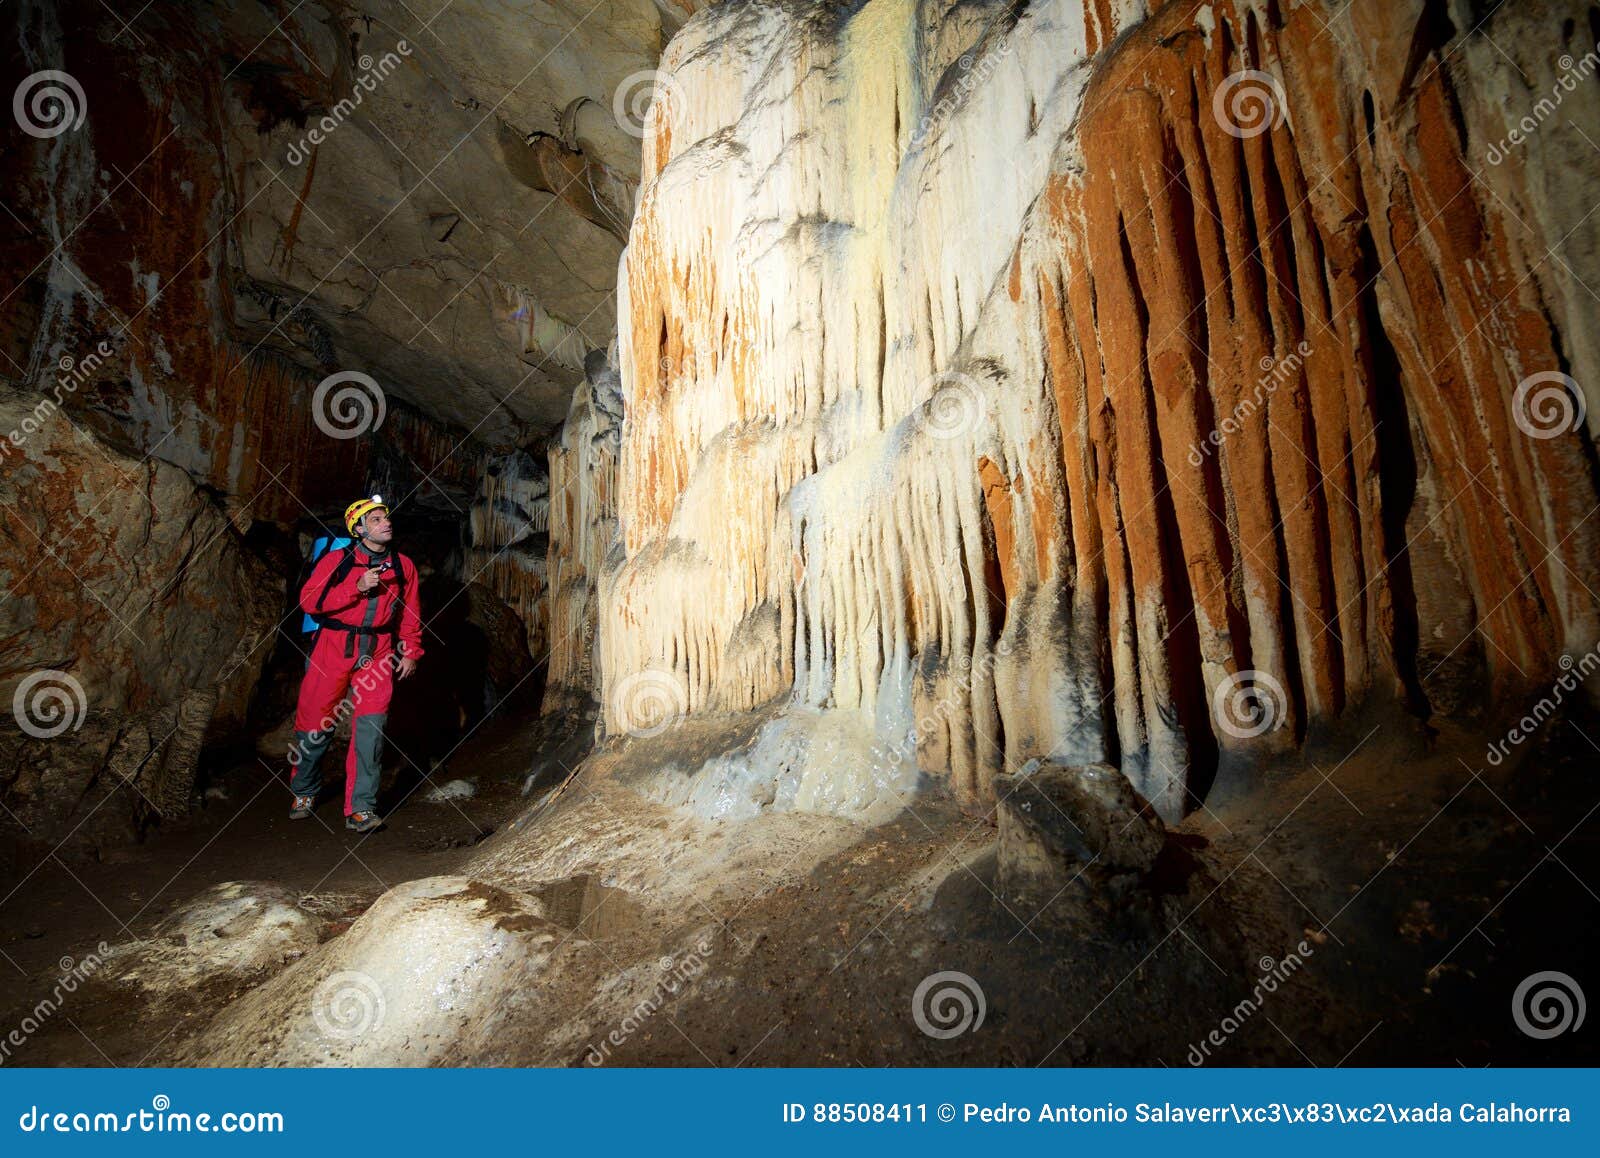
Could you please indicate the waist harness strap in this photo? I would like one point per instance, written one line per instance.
(392, 627)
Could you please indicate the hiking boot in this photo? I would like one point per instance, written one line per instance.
(363, 821)
(302, 806)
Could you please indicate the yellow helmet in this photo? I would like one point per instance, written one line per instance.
(359, 510)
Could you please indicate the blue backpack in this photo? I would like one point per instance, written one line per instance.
(321, 547)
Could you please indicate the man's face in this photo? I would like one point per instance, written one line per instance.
(376, 527)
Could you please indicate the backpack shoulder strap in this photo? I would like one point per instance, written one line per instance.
(400, 562)
(341, 571)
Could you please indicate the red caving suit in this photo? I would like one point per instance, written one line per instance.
(361, 662)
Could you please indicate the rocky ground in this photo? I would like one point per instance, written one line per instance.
(67, 904)
(1379, 904)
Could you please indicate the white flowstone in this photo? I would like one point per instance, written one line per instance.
(424, 977)
(238, 929)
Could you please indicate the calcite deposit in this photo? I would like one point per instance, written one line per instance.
(964, 464)
(1077, 381)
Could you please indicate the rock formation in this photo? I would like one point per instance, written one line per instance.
(1069, 381)
(583, 527)
(1066, 413)
(1163, 385)
(238, 931)
(509, 538)
(418, 977)
(235, 298)
(133, 621)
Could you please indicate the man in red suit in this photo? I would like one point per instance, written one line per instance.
(369, 631)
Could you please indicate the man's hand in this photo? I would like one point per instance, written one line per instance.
(407, 666)
(369, 579)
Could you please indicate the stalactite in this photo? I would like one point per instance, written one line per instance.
(508, 534)
(1028, 410)
(583, 528)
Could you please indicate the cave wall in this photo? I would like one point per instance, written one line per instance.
(255, 200)
(214, 331)
(928, 316)
(134, 625)
(508, 539)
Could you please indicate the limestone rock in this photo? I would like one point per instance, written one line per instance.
(583, 528)
(1081, 853)
(136, 623)
(238, 930)
(508, 529)
(1060, 820)
(424, 977)
(989, 367)
(260, 199)
(449, 791)
(803, 761)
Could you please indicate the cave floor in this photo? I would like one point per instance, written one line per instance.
(1423, 885)
(69, 902)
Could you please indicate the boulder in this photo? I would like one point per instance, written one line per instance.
(426, 976)
(1076, 815)
(135, 623)
(1074, 838)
